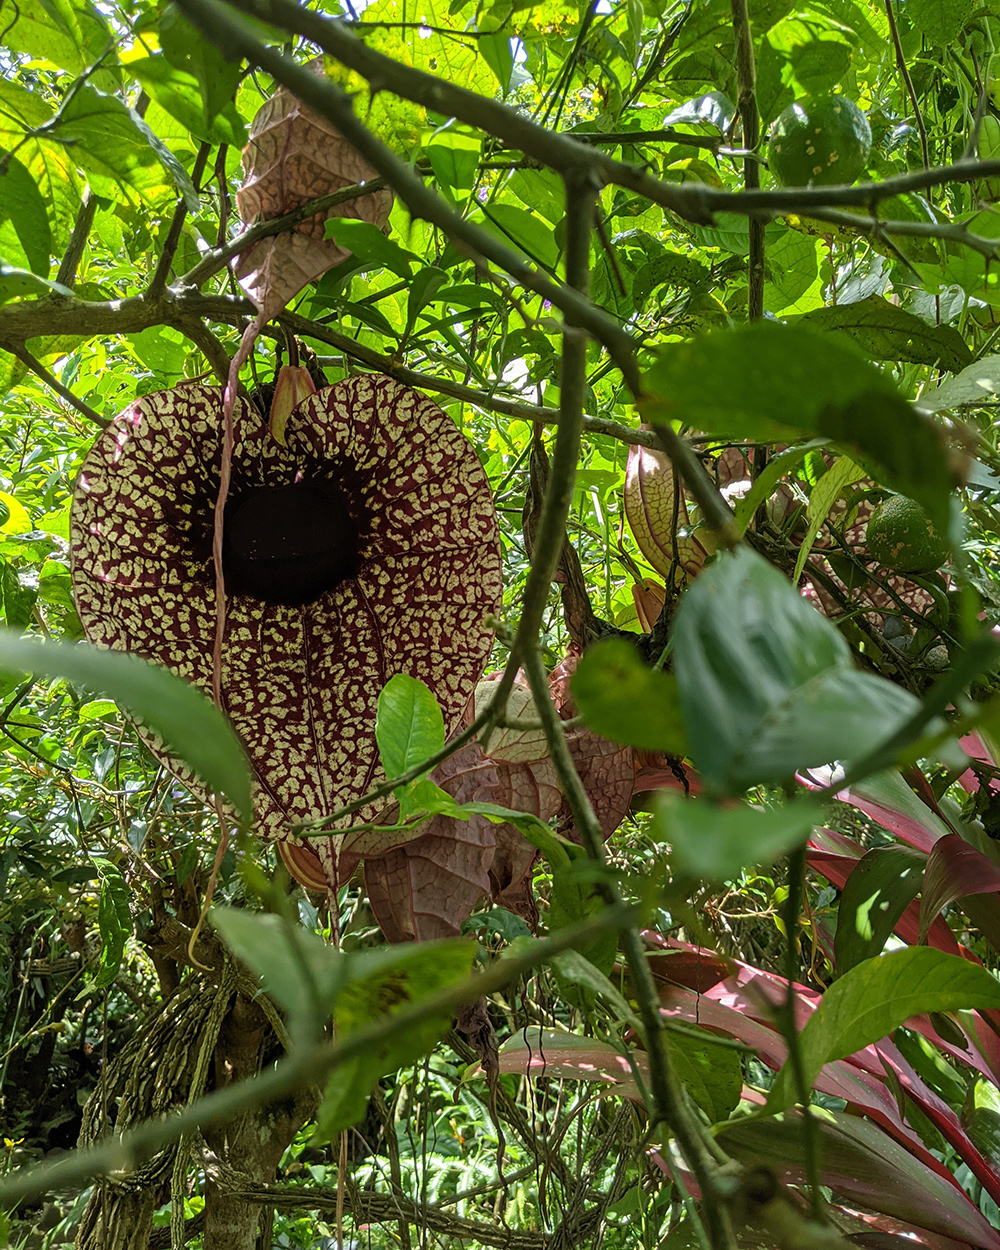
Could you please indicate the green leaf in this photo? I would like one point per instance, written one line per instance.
(216, 75)
(454, 158)
(367, 242)
(621, 698)
(19, 283)
(979, 381)
(862, 1163)
(161, 349)
(301, 972)
(22, 204)
(874, 998)
(841, 474)
(425, 285)
(716, 842)
(48, 29)
(114, 920)
(712, 1074)
(179, 94)
(409, 725)
(574, 968)
(496, 51)
(190, 726)
(18, 599)
(385, 983)
(942, 21)
(885, 331)
(767, 685)
(526, 231)
(981, 1120)
(775, 382)
(116, 148)
(880, 888)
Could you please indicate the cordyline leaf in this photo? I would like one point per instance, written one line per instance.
(860, 1163)
(954, 870)
(874, 998)
(745, 1009)
(835, 856)
(366, 547)
(294, 156)
(880, 888)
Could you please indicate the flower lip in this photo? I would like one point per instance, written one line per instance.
(290, 544)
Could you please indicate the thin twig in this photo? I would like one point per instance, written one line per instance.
(333, 103)
(695, 202)
(750, 121)
(78, 239)
(215, 261)
(158, 282)
(905, 75)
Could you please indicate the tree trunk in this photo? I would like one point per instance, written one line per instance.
(253, 1142)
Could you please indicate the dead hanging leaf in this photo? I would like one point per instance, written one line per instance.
(427, 887)
(294, 156)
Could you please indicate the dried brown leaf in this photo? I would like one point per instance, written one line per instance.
(294, 156)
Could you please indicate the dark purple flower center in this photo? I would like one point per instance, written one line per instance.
(289, 544)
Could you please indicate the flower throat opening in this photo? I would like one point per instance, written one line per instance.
(289, 544)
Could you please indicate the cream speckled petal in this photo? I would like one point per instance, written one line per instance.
(299, 683)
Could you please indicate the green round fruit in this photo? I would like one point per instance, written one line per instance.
(901, 537)
(820, 140)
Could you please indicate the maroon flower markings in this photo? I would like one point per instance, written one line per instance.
(365, 547)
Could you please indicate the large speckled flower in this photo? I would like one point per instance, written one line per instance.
(366, 546)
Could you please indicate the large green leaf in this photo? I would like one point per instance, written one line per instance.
(885, 331)
(190, 726)
(767, 685)
(874, 998)
(301, 972)
(880, 888)
(216, 75)
(776, 383)
(22, 204)
(49, 29)
(117, 150)
(715, 842)
(179, 93)
(385, 983)
(622, 698)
